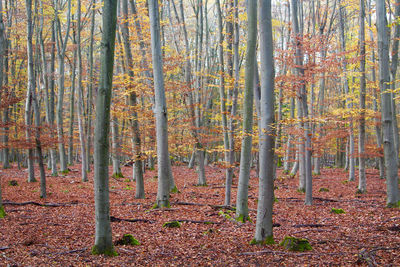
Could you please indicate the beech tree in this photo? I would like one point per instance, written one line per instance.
(264, 233)
(103, 238)
(160, 110)
(391, 162)
(242, 210)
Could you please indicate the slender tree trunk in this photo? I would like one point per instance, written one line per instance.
(61, 47)
(90, 90)
(70, 154)
(242, 210)
(3, 80)
(29, 96)
(137, 150)
(264, 233)
(160, 109)
(391, 162)
(362, 185)
(103, 238)
(80, 108)
(116, 163)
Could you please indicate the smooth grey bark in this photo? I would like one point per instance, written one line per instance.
(3, 67)
(160, 109)
(137, 150)
(29, 95)
(70, 154)
(264, 232)
(89, 98)
(80, 107)
(242, 210)
(378, 129)
(61, 48)
(389, 148)
(303, 103)
(362, 181)
(393, 72)
(222, 96)
(116, 163)
(347, 92)
(103, 238)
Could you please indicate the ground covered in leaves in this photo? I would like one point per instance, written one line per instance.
(61, 231)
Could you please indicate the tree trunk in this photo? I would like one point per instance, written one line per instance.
(80, 108)
(264, 233)
(160, 109)
(61, 47)
(242, 210)
(391, 162)
(137, 150)
(116, 163)
(103, 238)
(362, 185)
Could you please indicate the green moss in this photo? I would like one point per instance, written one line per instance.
(118, 175)
(337, 211)
(202, 185)
(276, 200)
(175, 190)
(209, 231)
(301, 190)
(279, 163)
(389, 205)
(128, 187)
(285, 172)
(2, 212)
(269, 240)
(316, 173)
(173, 224)
(241, 218)
(127, 239)
(110, 251)
(12, 183)
(360, 192)
(160, 205)
(295, 244)
(65, 171)
(345, 182)
(127, 180)
(323, 189)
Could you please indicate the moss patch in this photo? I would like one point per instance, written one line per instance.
(110, 251)
(12, 183)
(337, 211)
(269, 240)
(175, 190)
(2, 212)
(295, 244)
(301, 190)
(393, 205)
(173, 224)
(118, 175)
(127, 239)
(65, 172)
(323, 189)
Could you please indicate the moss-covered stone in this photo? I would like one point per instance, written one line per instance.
(127, 239)
(269, 240)
(2, 212)
(173, 224)
(118, 175)
(323, 189)
(110, 251)
(295, 244)
(12, 183)
(337, 211)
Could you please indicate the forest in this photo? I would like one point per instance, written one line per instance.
(199, 132)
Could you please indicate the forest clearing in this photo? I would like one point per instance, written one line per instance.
(367, 234)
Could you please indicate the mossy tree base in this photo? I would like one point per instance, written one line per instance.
(295, 244)
(393, 205)
(174, 190)
(2, 212)
(241, 218)
(269, 240)
(110, 251)
(127, 239)
(161, 204)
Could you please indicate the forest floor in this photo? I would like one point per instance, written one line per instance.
(62, 232)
